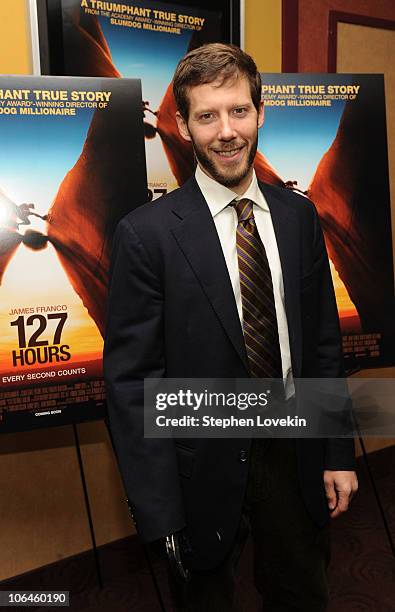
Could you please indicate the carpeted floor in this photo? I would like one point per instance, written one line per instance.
(362, 575)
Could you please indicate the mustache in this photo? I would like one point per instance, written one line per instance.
(229, 147)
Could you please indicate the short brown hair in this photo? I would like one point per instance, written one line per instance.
(208, 63)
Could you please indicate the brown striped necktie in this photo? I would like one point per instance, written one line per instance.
(257, 298)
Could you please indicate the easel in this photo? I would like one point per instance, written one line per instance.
(87, 506)
(91, 525)
(377, 495)
(371, 479)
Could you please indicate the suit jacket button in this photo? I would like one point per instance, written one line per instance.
(243, 455)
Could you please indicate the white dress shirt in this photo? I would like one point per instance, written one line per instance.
(218, 197)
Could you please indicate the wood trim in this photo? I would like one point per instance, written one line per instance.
(290, 35)
(336, 16)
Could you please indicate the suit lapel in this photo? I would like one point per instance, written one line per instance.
(197, 237)
(285, 224)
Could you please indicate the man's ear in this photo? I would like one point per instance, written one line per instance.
(261, 114)
(182, 126)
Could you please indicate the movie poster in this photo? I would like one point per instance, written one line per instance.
(143, 39)
(71, 165)
(325, 135)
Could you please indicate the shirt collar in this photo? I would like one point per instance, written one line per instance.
(218, 196)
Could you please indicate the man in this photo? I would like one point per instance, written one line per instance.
(226, 278)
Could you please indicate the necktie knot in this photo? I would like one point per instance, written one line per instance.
(244, 210)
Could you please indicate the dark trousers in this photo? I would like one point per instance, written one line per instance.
(291, 553)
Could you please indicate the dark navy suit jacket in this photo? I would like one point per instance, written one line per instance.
(172, 313)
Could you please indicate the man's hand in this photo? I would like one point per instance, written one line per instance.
(340, 487)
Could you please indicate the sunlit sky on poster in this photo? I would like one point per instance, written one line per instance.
(146, 54)
(36, 154)
(294, 139)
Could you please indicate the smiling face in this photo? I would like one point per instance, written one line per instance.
(223, 128)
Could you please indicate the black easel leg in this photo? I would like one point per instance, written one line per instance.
(377, 496)
(87, 506)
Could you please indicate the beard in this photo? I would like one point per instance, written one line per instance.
(232, 176)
